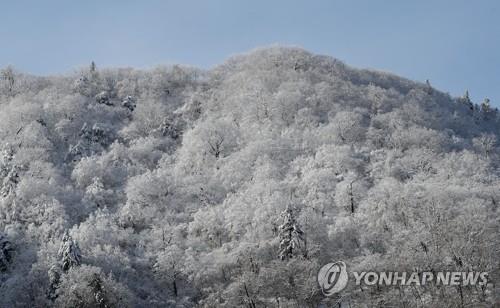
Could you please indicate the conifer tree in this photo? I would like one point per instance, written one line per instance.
(290, 235)
(93, 74)
(465, 99)
(98, 290)
(5, 160)
(129, 103)
(93, 67)
(10, 181)
(69, 253)
(428, 87)
(54, 281)
(5, 252)
(485, 108)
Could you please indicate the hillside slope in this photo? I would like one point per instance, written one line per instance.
(175, 187)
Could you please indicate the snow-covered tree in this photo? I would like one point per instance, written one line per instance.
(428, 86)
(93, 73)
(10, 181)
(99, 135)
(486, 109)
(98, 290)
(96, 193)
(291, 235)
(69, 253)
(129, 102)
(170, 127)
(485, 143)
(348, 127)
(54, 274)
(169, 267)
(93, 68)
(465, 100)
(88, 84)
(88, 286)
(103, 99)
(6, 249)
(7, 76)
(5, 160)
(91, 141)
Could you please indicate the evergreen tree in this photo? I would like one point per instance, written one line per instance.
(485, 108)
(93, 135)
(93, 77)
(86, 133)
(92, 139)
(69, 253)
(170, 128)
(103, 99)
(290, 235)
(5, 252)
(54, 281)
(99, 135)
(93, 74)
(465, 99)
(97, 287)
(93, 68)
(428, 86)
(129, 103)
(10, 181)
(5, 160)
(88, 84)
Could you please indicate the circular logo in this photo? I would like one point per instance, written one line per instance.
(332, 278)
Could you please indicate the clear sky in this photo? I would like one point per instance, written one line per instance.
(453, 43)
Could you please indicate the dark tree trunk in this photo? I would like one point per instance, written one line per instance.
(174, 284)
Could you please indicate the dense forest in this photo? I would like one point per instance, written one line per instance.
(177, 186)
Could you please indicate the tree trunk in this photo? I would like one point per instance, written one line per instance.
(174, 285)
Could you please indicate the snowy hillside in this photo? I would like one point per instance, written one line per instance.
(176, 187)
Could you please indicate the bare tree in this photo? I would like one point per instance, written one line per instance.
(485, 143)
(215, 142)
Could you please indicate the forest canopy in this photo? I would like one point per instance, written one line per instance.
(231, 187)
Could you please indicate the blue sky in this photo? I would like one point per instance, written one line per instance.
(454, 44)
